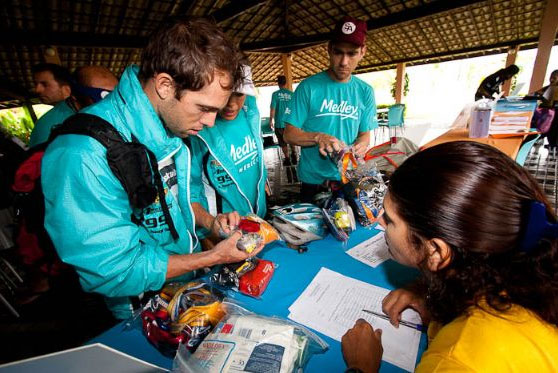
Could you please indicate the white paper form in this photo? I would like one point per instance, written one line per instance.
(372, 252)
(332, 303)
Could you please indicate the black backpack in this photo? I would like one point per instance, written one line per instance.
(133, 164)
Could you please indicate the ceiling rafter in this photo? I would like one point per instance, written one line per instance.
(435, 28)
(425, 37)
(490, 3)
(122, 13)
(463, 44)
(371, 40)
(234, 9)
(313, 16)
(464, 51)
(394, 28)
(412, 40)
(472, 18)
(269, 10)
(286, 30)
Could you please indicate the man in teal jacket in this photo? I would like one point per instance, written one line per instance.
(118, 251)
(227, 159)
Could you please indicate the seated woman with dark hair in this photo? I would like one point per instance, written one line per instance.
(483, 234)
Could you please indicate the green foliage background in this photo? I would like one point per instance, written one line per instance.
(17, 121)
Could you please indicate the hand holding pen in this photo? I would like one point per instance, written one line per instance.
(409, 324)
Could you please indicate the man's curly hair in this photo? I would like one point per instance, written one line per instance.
(191, 51)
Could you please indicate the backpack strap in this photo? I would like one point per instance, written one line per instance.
(88, 125)
(133, 163)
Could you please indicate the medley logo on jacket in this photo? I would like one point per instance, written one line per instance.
(343, 109)
(247, 152)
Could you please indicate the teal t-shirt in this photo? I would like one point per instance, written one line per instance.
(242, 150)
(58, 114)
(280, 101)
(343, 110)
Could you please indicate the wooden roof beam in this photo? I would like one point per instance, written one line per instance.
(234, 9)
(510, 60)
(89, 39)
(457, 52)
(281, 45)
(547, 36)
(71, 39)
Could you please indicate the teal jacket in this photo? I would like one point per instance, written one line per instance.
(58, 114)
(88, 214)
(212, 140)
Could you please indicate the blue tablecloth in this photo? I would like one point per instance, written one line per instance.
(295, 271)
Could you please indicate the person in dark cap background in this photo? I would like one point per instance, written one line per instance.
(332, 109)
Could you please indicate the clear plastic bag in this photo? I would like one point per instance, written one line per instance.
(365, 193)
(363, 187)
(255, 231)
(244, 341)
(182, 313)
(340, 219)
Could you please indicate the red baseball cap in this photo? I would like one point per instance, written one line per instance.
(350, 30)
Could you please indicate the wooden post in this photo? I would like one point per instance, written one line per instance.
(546, 40)
(286, 60)
(510, 60)
(50, 55)
(399, 82)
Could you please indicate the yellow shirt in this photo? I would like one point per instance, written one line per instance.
(515, 341)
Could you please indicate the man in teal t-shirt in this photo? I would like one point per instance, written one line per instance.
(280, 100)
(332, 109)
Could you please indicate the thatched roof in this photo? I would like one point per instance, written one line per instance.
(112, 32)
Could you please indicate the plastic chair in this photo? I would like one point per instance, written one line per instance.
(395, 119)
(525, 148)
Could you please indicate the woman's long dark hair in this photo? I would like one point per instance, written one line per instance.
(475, 198)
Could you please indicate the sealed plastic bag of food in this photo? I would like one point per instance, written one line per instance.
(250, 277)
(365, 192)
(246, 342)
(255, 231)
(340, 219)
(183, 313)
(346, 163)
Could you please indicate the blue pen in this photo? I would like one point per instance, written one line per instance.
(409, 324)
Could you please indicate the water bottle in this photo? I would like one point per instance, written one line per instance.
(480, 119)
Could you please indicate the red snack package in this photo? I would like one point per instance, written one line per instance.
(255, 282)
(249, 226)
